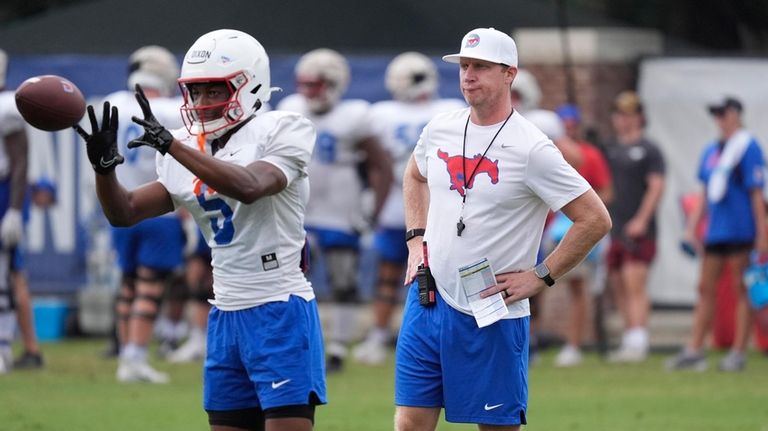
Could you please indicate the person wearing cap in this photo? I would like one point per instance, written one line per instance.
(638, 178)
(731, 171)
(477, 190)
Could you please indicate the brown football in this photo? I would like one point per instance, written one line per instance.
(50, 102)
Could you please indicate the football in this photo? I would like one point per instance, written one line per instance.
(50, 102)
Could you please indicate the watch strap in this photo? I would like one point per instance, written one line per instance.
(413, 233)
(542, 271)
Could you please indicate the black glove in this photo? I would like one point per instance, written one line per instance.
(101, 145)
(155, 135)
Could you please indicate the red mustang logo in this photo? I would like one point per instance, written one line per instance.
(478, 164)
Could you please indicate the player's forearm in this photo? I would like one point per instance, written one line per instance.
(16, 149)
(114, 199)
(231, 180)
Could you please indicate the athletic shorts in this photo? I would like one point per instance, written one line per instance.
(390, 245)
(444, 360)
(156, 243)
(729, 248)
(328, 238)
(266, 356)
(624, 250)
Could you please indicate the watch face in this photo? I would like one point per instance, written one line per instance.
(541, 270)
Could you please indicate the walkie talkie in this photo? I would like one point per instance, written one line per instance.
(427, 285)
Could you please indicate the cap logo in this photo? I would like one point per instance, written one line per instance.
(472, 41)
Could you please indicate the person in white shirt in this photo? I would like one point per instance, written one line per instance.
(336, 216)
(411, 78)
(241, 175)
(480, 183)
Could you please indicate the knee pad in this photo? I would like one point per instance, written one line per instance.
(342, 273)
(154, 275)
(249, 419)
(156, 301)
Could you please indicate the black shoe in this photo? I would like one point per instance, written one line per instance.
(111, 351)
(28, 361)
(334, 364)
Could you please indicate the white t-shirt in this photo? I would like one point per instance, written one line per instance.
(397, 126)
(139, 165)
(11, 121)
(522, 176)
(256, 248)
(335, 203)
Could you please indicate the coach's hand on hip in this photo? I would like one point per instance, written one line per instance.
(515, 286)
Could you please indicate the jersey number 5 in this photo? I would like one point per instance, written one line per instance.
(224, 231)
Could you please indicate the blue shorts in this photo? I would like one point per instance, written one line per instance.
(266, 356)
(390, 245)
(328, 238)
(443, 359)
(156, 243)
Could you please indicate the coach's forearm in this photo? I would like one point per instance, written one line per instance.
(591, 223)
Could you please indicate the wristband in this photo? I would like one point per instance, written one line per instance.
(413, 233)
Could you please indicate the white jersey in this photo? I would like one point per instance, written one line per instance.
(11, 121)
(256, 248)
(521, 177)
(139, 166)
(397, 125)
(337, 188)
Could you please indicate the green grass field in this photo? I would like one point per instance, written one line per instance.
(77, 391)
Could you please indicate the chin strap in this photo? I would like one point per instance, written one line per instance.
(201, 142)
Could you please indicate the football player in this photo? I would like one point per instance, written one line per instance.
(241, 174)
(411, 78)
(150, 251)
(14, 291)
(335, 215)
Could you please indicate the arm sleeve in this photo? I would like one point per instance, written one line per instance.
(551, 178)
(289, 145)
(655, 160)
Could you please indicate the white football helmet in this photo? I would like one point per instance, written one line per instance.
(330, 70)
(3, 68)
(527, 90)
(411, 76)
(548, 122)
(153, 67)
(236, 59)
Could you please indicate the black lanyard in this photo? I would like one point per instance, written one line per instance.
(460, 225)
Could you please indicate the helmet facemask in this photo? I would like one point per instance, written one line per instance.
(213, 120)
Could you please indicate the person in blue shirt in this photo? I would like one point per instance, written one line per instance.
(732, 171)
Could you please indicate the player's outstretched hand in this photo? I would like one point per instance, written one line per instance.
(155, 134)
(101, 144)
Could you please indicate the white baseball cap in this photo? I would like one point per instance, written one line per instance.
(486, 44)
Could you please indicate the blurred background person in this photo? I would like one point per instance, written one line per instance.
(14, 289)
(411, 78)
(198, 277)
(590, 272)
(731, 170)
(335, 216)
(150, 251)
(637, 166)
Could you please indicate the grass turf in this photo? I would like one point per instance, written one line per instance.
(77, 390)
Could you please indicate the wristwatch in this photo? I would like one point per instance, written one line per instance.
(413, 233)
(542, 271)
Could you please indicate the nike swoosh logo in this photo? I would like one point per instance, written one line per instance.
(232, 153)
(487, 407)
(276, 385)
(507, 145)
(105, 164)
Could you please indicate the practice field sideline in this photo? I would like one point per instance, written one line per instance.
(77, 390)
